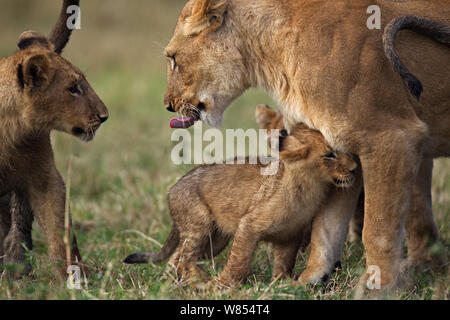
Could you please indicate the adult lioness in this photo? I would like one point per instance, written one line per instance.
(39, 91)
(327, 69)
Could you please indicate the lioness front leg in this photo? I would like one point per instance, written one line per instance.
(47, 199)
(329, 231)
(421, 230)
(390, 169)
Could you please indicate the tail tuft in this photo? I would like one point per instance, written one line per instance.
(138, 258)
(438, 31)
(159, 256)
(415, 86)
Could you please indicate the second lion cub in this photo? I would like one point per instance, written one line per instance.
(235, 199)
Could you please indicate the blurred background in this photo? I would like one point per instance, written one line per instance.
(120, 180)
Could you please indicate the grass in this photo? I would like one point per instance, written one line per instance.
(119, 182)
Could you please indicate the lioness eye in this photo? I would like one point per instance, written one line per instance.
(330, 155)
(75, 90)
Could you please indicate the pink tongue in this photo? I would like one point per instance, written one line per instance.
(185, 122)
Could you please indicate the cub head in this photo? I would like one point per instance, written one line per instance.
(269, 119)
(206, 67)
(57, 95)
(308, 149)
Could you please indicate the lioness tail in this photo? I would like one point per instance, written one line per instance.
(438, 31)
(163, 254)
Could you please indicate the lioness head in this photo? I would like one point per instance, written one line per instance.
(203, 48)
(57, 96)
(307, 147)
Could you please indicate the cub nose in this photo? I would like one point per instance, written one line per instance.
(103, 117)
(170, 108)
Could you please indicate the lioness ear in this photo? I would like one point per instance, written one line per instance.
(264, 115)
(35, 72)
(33, 39)
(206, 14)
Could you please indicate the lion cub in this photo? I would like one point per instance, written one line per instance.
(270, 119)
(237, 200)
(40, 91)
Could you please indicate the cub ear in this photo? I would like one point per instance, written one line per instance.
(33, 39)
(206, 14)
(294, 155)
(264, 115)
(291, 150)
(34, 73)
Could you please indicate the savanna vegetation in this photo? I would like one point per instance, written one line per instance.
(119, 182)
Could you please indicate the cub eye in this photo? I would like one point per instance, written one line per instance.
(284, 133)
(330, 155)
(173, 62)
(75, 90)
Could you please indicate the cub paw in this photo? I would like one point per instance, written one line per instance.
(322, 275)
(281, 276)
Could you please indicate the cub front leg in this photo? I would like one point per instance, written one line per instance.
(239, 262)
(47, 198)
(357, 222)
(329, 231)
(19, 239)
(5, 222)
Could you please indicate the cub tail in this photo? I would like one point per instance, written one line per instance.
(159, 256)
(438, 31)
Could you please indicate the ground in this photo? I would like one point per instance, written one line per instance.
(119, 182)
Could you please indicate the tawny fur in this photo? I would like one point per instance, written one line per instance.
(40, 91)
(326, 69)
(270, 119)
(236, 200)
